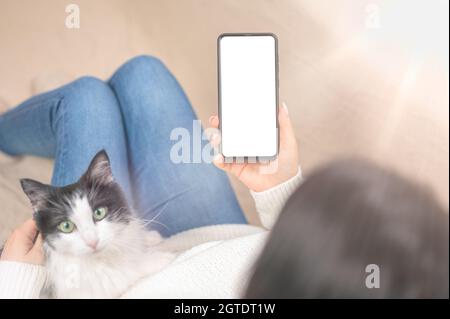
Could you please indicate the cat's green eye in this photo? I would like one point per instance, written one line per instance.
(66, 226)
(100, 213)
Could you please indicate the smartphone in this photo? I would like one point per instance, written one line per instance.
(248, 95)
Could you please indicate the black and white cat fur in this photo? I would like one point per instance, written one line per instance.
(98, 259)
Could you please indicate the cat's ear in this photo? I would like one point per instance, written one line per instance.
(36, 192)
(99, 170)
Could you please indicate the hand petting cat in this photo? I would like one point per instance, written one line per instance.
(21, 246)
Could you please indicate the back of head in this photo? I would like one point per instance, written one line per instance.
(354, 230)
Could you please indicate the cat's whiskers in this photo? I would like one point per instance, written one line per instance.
(146, 222)
(131, 244)
(118, 210)
(153, 220)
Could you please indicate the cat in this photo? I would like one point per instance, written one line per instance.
(95, 245)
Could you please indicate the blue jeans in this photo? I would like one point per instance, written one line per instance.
(131, 117)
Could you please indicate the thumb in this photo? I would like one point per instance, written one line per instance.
(219, 162)
(37, 247)
(28, 230)
(287, 135)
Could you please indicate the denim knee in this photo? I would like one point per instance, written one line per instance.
(144, 86)
(143, 65)
(89, 98)
(140, 74)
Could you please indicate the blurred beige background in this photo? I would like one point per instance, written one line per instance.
(361, 78)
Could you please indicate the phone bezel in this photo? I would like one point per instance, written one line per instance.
(245, 159)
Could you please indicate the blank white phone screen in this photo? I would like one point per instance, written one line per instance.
(248, 96)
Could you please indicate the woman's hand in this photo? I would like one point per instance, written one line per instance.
(261, 176)
(21, 247)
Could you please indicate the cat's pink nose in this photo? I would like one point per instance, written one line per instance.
(92, 244)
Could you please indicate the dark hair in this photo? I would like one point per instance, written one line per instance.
(347, 216)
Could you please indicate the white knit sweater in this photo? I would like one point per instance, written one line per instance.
(213, 261)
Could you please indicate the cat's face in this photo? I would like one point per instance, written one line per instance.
(82, 218)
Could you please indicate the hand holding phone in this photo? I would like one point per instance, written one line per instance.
(261, 176)
(250, 122)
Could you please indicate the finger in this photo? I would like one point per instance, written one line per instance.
(287, 135)
(284, 119)
(232, 168)
(36, 254)
(37, 247)
(21, 240)
(39, 242)
(28, 229)
(214, 137)
(214, 121)
(219, 162)
(214, 140)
